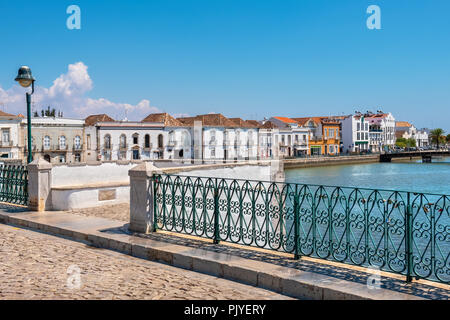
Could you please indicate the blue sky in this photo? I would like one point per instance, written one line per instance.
(249, 59)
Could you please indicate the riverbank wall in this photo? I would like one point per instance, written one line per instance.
(327, 161)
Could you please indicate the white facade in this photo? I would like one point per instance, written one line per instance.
(11, 145)
(142, 141)
(355, 134)
(381, 132)
(291, 140)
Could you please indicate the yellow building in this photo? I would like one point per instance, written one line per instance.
(324, 138)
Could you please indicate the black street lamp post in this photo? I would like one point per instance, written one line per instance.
(25, 79)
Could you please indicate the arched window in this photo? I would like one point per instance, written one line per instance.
(107, 141)
(123, 141)
(147, 141)
(135, 138)
(160, 141)
(46, 142)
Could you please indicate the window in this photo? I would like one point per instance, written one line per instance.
(171, 137)
(62, 142)
(147, 141)
(160, 141)
(77, 142)
(250, 139)
(358, 126)
(213, 152)
(331, 133)
(326, 132)
(62, 158)
(88, 137)
(358, 136)
(47, 142)
(77, 157)
(135, 138)
(123, 141)
(5, 135)
(212, 139)
(108, 142)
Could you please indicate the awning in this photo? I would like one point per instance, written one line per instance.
(361, 142)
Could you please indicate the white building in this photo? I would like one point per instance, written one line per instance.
(291, 139)
(381, 131)
(217, 138)
(157, 137)
(355, 133)
(11, 142)
(404, 129)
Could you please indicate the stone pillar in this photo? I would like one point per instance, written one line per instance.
(141, 197)
(39, 185)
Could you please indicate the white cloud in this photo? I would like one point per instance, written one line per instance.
(68, 94)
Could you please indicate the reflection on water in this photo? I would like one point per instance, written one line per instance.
(406, 176)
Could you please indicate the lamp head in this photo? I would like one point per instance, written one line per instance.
(24, 77)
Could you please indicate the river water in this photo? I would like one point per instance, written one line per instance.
(401, 176)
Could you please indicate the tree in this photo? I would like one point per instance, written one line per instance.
(401, 142)
(448, 138)
(437, 136)
(36, 114)
(411, 142)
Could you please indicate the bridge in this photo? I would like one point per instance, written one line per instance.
(426, 155)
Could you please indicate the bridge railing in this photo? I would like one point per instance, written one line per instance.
(14, 184)
(401, 232)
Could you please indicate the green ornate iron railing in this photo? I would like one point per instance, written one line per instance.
(14, 184)
(401, 232)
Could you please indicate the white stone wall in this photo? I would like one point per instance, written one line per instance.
(87, 198)
(247, 172)
(66, 175)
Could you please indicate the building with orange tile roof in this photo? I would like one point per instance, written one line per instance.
(324, 138)
(291, 139)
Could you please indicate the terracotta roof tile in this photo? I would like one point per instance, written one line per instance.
(212, 120)
(4, 114)
(286, 120)
(402, 124)
(164, 118)
(93, 119)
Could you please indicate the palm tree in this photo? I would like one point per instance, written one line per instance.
(437, 135)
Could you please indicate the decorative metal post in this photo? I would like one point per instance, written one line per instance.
(408, 236)
(296, 222)
(25, 79)
(216, 214)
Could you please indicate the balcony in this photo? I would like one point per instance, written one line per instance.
(77, 148)
(55, 148)
(172, 144)
(123, 146)
(147, 147)
(6, 144)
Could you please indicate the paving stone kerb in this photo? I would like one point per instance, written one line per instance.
(287, 281)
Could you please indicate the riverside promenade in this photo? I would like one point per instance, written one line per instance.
(117, 264)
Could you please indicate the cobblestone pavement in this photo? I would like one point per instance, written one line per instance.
(119, 212)
(39, 266)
